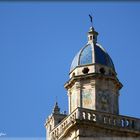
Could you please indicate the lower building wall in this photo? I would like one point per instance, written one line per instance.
(95, 133)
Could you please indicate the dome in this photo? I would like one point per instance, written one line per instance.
(92, 53)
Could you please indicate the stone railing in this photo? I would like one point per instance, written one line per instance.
(64, 124)
(109, 119)
(99, 118)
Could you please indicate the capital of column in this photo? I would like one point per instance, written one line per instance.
(77, 85)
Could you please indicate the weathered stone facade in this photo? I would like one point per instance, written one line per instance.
(93, 95)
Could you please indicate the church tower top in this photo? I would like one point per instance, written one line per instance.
(92, 53)
(93, 82)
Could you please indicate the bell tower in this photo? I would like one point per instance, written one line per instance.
(93, 82)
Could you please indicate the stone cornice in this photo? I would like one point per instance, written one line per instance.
(71, 81)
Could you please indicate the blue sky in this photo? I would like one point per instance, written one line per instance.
(37, 44)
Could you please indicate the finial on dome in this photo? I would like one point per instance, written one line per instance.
(92, 34)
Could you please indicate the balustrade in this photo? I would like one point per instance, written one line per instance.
(101, 118)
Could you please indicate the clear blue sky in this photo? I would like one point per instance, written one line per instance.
(37, 44)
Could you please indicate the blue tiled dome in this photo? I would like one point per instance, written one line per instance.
(92, 54)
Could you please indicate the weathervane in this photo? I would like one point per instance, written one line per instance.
(91, 17)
